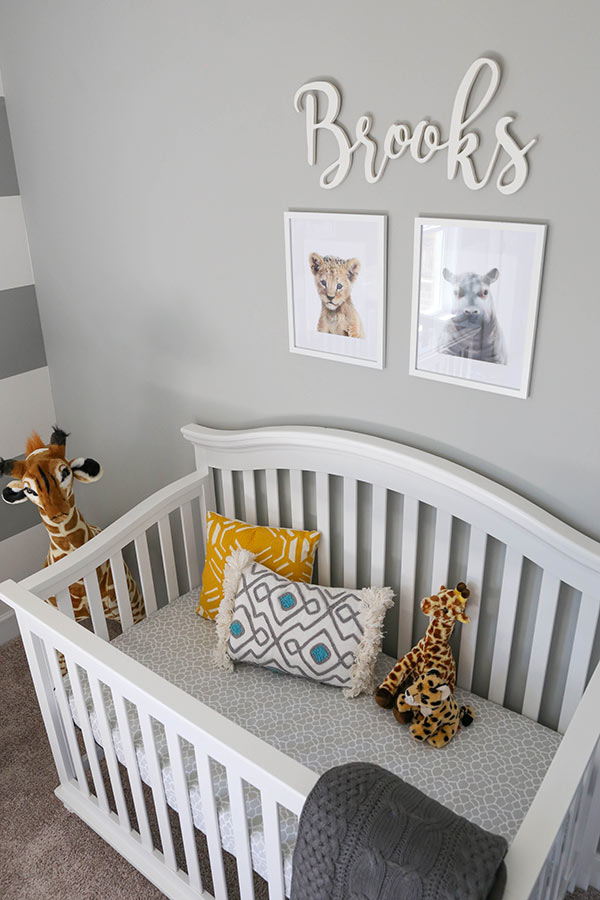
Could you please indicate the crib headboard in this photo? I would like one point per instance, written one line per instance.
(390, 514)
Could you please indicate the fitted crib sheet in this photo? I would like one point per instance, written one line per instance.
(489, 773)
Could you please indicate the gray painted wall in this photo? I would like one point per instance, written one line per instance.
(157, 147)
(21, 346)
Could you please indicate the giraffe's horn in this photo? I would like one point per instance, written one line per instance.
(59, 437)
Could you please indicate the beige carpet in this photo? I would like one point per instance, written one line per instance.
(47, 853)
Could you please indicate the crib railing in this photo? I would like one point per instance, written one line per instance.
(146, 536)
(116, 679)
(555, 849)
(165, 536)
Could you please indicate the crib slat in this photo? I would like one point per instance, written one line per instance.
(441, 552)
(474, 580)
(92, 589)
(350, 531)
(323, 524)
(410, 528)
(143, 559)
(272, 497)
(297, 499)
(250, 514)
(37, 656)
(109, 750)
(585, 630)
(206, 502)
(228, 495)
(553, 891)
(186, 821)
(577, 829)
(86, 731)
(190, 546)
(270, 816)
(122, 591)
(507, 611)
(211, 824)
(587, 840)
(241, 836)
(378, 521)
(168, 557)
(67, 722)
(133, 772)
(158, 790)
(65, 604)
(540, 645)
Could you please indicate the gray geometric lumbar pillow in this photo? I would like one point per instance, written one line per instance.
(328, 634)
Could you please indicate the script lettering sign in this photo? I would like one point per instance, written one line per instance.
(423, 141)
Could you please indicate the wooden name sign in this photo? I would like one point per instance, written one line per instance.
(423, 141)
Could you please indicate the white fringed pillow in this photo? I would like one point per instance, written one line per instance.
(332, 635)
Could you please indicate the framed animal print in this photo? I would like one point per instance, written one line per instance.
(336, 286)
(476, 287)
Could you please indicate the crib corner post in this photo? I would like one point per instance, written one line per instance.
(36, 651)
(201, 459)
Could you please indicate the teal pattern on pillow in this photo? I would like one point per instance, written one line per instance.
(328, 634)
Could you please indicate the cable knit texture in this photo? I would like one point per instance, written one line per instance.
(365, 834)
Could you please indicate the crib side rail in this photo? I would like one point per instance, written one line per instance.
(555, 846)
(168, 524)
(118, 688)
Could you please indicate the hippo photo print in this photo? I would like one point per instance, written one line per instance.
(476, 287)
(336, 286)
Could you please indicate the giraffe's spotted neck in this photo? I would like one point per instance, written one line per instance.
(439, 630)
(71, 533)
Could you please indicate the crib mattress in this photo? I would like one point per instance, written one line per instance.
(489, 773)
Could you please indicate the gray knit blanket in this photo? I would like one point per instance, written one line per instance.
(364, 834)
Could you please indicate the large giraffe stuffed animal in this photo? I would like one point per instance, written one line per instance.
(432, 652)
(46, 478)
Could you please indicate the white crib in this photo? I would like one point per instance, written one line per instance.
(388, 514)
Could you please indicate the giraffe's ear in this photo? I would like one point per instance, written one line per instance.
(14, 467)
(14, 493)
(86, 469)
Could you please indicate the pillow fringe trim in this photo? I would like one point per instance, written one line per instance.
(375, 603)
(236, 563)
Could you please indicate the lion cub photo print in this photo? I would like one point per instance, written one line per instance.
(476, 285)
(335, 267)
(334, 280)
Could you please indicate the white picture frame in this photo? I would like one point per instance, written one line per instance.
(345, 254)
(476, 289)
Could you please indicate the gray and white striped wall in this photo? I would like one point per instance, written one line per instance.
(25, 394)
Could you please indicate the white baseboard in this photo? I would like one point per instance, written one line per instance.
(20, 556)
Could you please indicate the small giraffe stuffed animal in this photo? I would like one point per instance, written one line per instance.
(46, 478)
(432, 652)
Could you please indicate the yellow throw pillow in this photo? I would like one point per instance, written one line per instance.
(285, 551)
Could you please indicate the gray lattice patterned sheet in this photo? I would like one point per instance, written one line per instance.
(489, 773)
